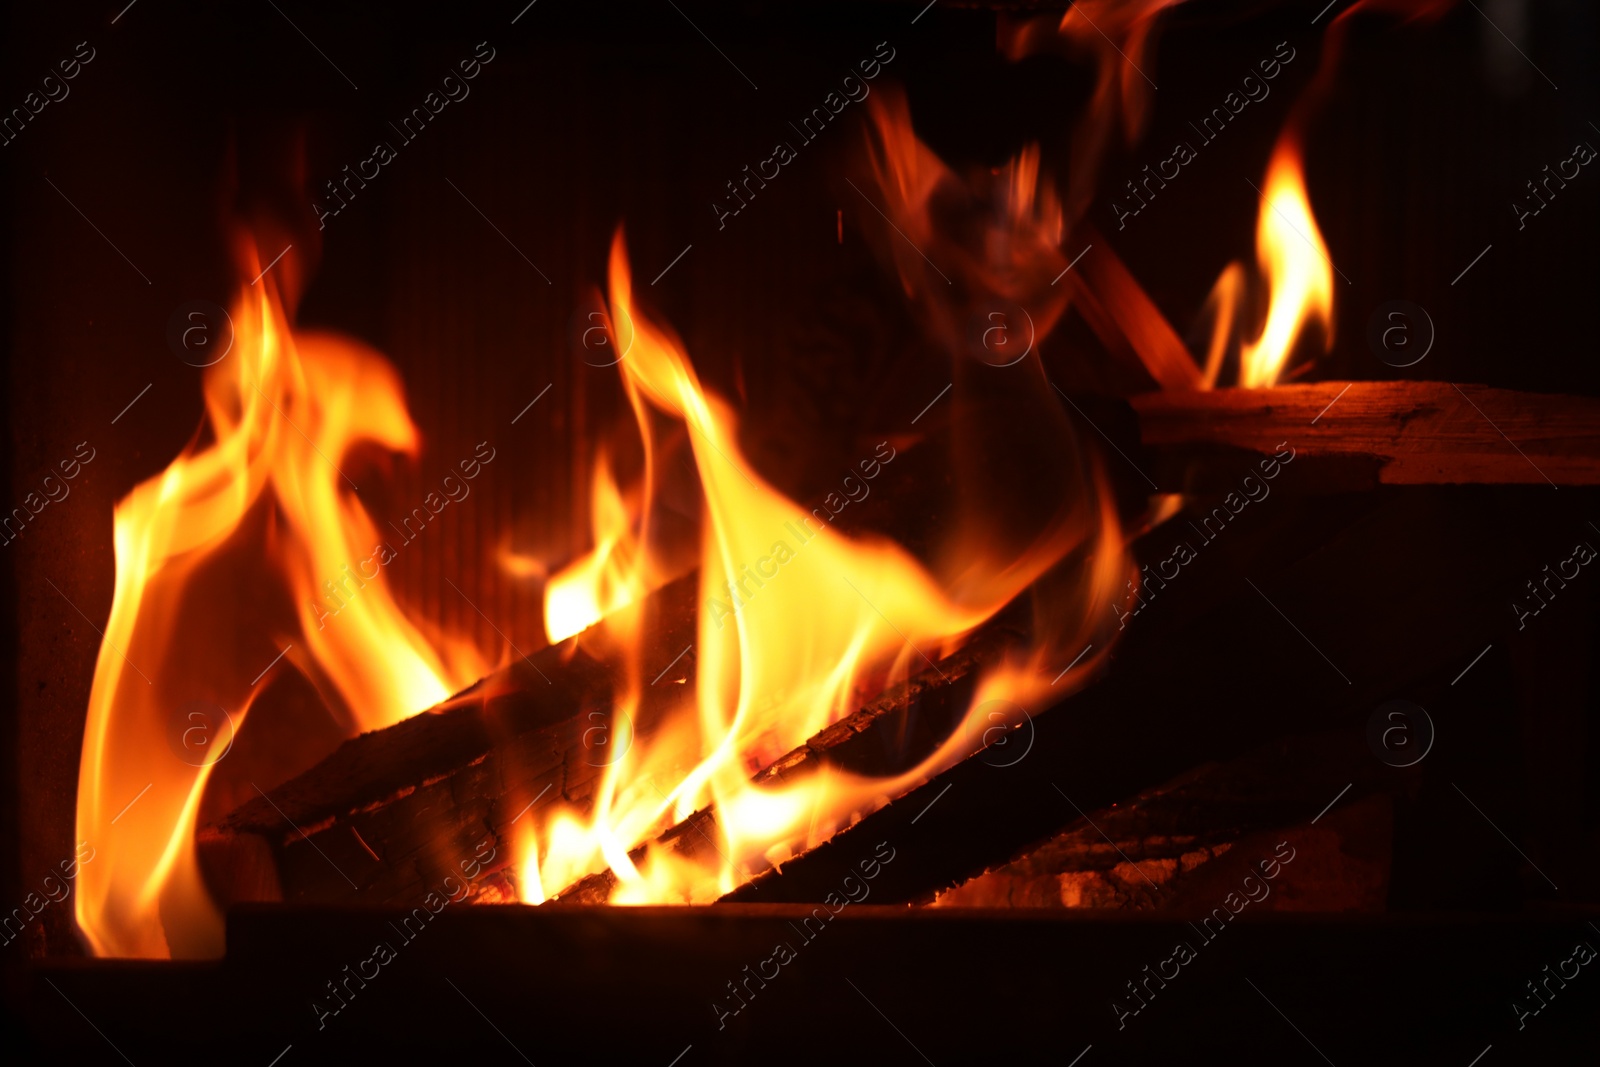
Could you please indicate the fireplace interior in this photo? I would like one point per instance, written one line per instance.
(1185, 476)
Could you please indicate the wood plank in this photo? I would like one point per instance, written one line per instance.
(1364, 434)
(1124, 318)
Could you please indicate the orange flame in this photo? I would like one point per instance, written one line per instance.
(1289, 245)
(610, 576)
(796, 619)
(1296, 264)
(284, 410)
(966, 246)
(1120, 35)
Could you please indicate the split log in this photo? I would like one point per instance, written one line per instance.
(1359, 435)
(391, 812)
(893, 732)
(386, 817)
(1389, 594)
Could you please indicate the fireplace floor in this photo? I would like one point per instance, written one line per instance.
(871, 984)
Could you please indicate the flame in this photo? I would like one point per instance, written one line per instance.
(797, 620)
(530, 884)
(1295, 261)
(193, 616)
(627, 561)
(1223, 306)
(609, 577)
(966, 246)
(1120, 36)
(1289, 246)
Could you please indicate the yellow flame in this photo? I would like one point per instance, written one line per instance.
(796, 620)
(606, 579)
(1297, 267)
(190, 623)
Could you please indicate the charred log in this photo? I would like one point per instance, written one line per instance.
(392, 811)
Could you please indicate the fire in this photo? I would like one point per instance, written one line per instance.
(1120, 36)
(609, 577)
(1296, 264)
(989, 243)
(1293, 259)
(627, 561)
(797, 621)
(195, 616)
(1289, 246)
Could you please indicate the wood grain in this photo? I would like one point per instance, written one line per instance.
(1364, 434)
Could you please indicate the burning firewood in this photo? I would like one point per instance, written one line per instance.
(379, 821)
(1213, 671)
(390, 807)
(1170, 846)
(908, 719)
(385, 814)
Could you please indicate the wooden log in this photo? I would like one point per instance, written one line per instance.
(891, 733)
(1389, 594)
(1150, 672)
(391, 812)
(1167, 846)
(1359, 435)
(1124, 318)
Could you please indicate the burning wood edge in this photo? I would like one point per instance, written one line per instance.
(1165, 842)
(1363, 434)
(1178, 696)
(389, 813)
(385, 818)
(929, 705)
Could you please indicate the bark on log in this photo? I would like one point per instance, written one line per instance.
(1359, 435)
